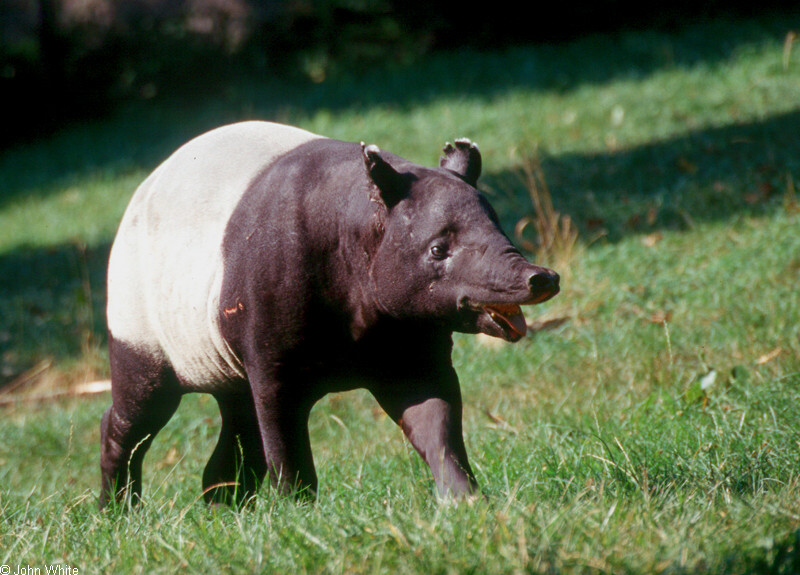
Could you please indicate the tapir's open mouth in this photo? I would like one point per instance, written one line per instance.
(508, 317)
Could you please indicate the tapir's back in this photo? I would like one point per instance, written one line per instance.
(165, 269)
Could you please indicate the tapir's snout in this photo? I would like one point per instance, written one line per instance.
(502, 316)
(543, 284)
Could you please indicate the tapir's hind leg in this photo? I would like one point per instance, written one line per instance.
(145, 395)
(237, 467)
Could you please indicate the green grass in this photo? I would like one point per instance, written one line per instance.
(615, 443)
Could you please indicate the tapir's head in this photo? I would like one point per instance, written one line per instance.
(443, 255)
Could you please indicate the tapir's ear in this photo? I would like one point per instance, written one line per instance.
(464, 159)
(392, 186)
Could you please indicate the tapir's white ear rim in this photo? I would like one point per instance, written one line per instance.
(391, 185)
(464, 159)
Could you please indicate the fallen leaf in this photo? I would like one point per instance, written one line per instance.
(496, 418)
(93, 387)
(660, 316)
(546, 324)
(708, 379)
(650, 240)
(500, 423)
(767, 357)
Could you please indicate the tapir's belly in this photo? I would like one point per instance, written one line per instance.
(165, 268)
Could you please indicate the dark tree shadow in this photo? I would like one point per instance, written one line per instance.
(704, 176)
(52, 306)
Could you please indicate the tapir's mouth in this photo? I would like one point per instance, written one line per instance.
(509, 318)
(506, 320)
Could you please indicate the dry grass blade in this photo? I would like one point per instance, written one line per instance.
(61, 392)
(788, 42)
(27, 379)
(790, 202)
(556, 235)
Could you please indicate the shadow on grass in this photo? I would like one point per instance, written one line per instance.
(52, 307)
(779, 556)
(706, 176)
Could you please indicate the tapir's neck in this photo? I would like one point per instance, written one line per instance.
(355, 290)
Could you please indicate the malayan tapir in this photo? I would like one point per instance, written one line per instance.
(269, 266)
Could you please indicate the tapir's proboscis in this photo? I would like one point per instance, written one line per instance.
(269, 266)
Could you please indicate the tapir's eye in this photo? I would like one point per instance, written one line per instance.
(439, 252)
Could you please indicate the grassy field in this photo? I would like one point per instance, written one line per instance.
(651, 424)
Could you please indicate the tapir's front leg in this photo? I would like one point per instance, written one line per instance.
(429, 413)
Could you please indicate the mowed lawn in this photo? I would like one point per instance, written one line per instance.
(650, 423)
